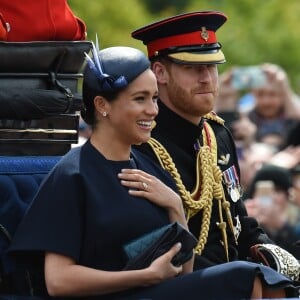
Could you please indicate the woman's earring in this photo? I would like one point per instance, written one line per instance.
(104, 114)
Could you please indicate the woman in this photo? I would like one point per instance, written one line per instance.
(103, 194)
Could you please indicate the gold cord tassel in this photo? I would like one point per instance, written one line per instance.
(208, 187)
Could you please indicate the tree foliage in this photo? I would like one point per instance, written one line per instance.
(156, 6)
(256, 31)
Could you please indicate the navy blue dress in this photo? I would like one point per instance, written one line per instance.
(82, 211)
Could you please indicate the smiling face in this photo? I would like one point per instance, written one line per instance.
(189, 90)
(132, 113)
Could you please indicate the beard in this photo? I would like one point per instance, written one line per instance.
(190, 102)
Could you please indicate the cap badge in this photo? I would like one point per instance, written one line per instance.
(204, 34)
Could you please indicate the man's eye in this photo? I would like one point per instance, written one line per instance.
(187, 67)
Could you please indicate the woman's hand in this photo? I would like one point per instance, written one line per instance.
(142, 184)
(65, 278)
(162, 268)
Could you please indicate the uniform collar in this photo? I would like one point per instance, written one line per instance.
(183, 133)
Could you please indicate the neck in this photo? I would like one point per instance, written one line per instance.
(111, 150)
(192, 119)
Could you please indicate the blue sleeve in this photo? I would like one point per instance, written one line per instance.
(54, 221)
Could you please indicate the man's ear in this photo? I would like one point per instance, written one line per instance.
(160, 72)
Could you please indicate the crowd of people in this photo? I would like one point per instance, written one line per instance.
(264, 118)
(263, 115)
(154, 151)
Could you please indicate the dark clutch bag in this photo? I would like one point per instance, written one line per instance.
(143, 251)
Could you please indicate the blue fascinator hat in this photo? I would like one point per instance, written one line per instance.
(109, 71)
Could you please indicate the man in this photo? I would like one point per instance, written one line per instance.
(191, 141)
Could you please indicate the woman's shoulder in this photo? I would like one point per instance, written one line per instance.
(151, 166)
(69, 162)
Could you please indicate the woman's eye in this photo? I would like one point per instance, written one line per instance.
(155, 99)
(139, 99)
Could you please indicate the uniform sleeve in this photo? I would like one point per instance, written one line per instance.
(251, 234)
(54, 220)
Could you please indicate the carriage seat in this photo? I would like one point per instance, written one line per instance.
(20, 178)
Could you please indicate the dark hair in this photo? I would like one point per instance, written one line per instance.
(89, 94)
(108, 72)
(281, 177)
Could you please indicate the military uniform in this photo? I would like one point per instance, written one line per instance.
(202, 157)
(180, 145)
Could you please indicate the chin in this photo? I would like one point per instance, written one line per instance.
(142, 141)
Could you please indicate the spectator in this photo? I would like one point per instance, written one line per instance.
(296, 199)
(275, 106)
(271, 209)
(252, 158)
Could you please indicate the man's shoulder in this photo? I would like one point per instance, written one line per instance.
(213, 118)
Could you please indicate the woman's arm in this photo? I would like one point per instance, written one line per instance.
(142, 184)
(66, 278)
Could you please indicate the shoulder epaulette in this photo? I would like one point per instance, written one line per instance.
(214, 117)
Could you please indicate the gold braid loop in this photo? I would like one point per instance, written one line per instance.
(214, 117)
(208, 185)
(219, 195)
(204, 200)
(218, 188)
(167, 163)
(204, 160)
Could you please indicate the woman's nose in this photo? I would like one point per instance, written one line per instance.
(152, 109)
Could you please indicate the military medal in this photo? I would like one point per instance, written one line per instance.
(234, 194)
(232, 183)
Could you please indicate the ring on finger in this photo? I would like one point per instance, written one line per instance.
(145, 186)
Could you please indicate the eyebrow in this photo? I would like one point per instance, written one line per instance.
(145, 92)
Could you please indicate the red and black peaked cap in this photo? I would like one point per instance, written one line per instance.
(185, 38)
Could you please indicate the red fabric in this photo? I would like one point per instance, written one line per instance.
(3, 32)
(185, 39)
(41, 20)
